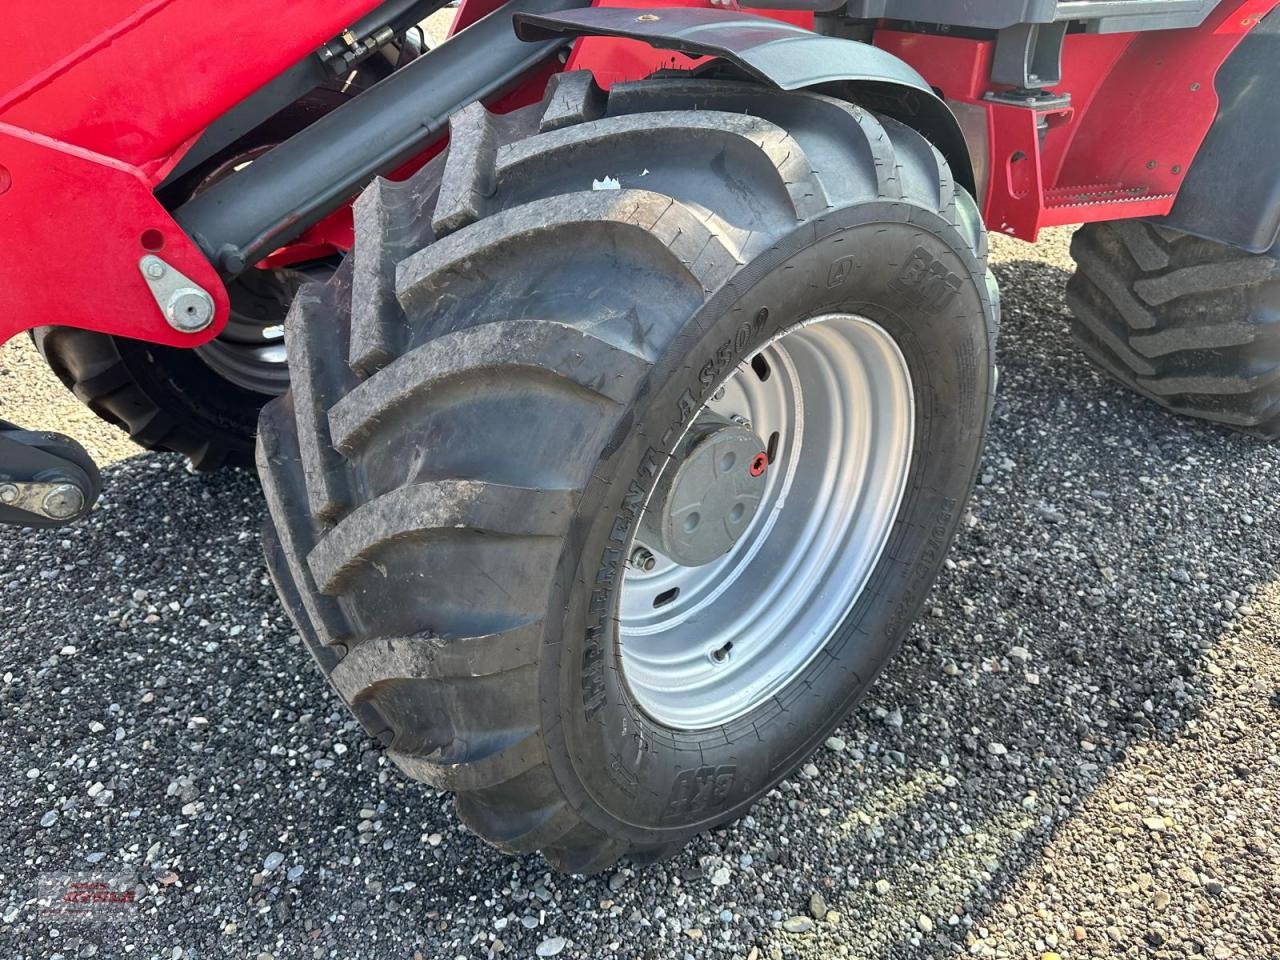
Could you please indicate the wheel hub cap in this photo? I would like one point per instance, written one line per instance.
(709, 493)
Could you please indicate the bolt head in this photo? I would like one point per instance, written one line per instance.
(232, 258)
(8, 493)
(642, 559)
(155, 268)
(190, 309)
(63, 502)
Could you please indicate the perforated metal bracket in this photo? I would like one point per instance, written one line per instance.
(185, 304)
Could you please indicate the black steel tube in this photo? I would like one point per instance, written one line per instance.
(250, 213)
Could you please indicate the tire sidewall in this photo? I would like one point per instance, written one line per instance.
(909, 271)
(178, 382)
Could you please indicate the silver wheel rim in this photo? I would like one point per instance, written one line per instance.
(701, 646)
(250, 350)
(251, 355)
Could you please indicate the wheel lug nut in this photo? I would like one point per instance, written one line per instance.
(642, 559)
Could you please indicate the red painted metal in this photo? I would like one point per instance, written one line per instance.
(1166, 74)
(102, 97)
(73, 226)
(1141, 105)
(98, 102)
(335, 234)
(135, 81)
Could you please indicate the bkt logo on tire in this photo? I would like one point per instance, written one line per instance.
(925, 282)
(699, 789)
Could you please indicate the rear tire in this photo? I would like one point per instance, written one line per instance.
(481, 407)
(172, 398)
(1189, 323)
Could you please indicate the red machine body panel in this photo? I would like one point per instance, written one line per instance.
(97, 103)
(136, 81)
(1141, 105)
(102, 98)
(73, 226)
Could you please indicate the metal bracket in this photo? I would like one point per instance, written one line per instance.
(46, 479)
(1028, 56)
(185, 304)
(56, 501)
(341, 55)
(373, 31)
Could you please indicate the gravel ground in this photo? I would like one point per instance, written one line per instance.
(32, 397)
(1073, 756)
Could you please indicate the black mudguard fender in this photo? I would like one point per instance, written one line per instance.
(780, 54)
(1232, 190)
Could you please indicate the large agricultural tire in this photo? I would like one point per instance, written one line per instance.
(482, 403)
(1190, 323)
